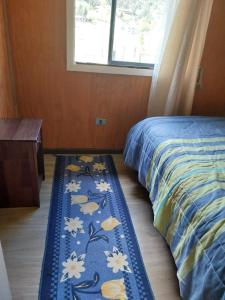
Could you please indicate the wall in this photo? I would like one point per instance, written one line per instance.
(7, 105)
(210, 98)
(69, 102)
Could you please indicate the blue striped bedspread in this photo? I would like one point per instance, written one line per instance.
(181, 162)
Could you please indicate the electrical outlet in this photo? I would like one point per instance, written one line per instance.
(101, 122)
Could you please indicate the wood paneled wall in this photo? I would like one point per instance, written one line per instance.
(69, 102)
(210, 98)
(7, 105)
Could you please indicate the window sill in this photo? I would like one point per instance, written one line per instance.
(109, 69)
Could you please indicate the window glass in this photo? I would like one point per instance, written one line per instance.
(92, 27)
(138, 30)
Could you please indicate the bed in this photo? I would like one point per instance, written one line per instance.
(181, 162)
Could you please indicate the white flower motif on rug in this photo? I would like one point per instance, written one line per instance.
(73, 267)
(73, 186)
(74, 225)
(117, 261)
(103, 186)
(99, 167)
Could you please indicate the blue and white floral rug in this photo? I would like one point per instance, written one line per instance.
(91, 248)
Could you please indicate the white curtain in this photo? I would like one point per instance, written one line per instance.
(175, 74)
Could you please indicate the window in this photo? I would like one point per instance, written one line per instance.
(121, 34)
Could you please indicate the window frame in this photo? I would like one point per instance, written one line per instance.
(114, 67)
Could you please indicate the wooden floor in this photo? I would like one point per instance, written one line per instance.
(22, 233)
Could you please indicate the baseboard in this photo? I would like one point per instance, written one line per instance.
(81, 151)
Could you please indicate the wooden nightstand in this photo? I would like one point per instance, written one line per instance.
(21, 162)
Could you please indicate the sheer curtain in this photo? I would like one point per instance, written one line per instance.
(175, 74)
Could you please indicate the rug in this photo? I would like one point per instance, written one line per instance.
(91, 249)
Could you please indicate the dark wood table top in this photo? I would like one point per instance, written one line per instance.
(19, 129)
